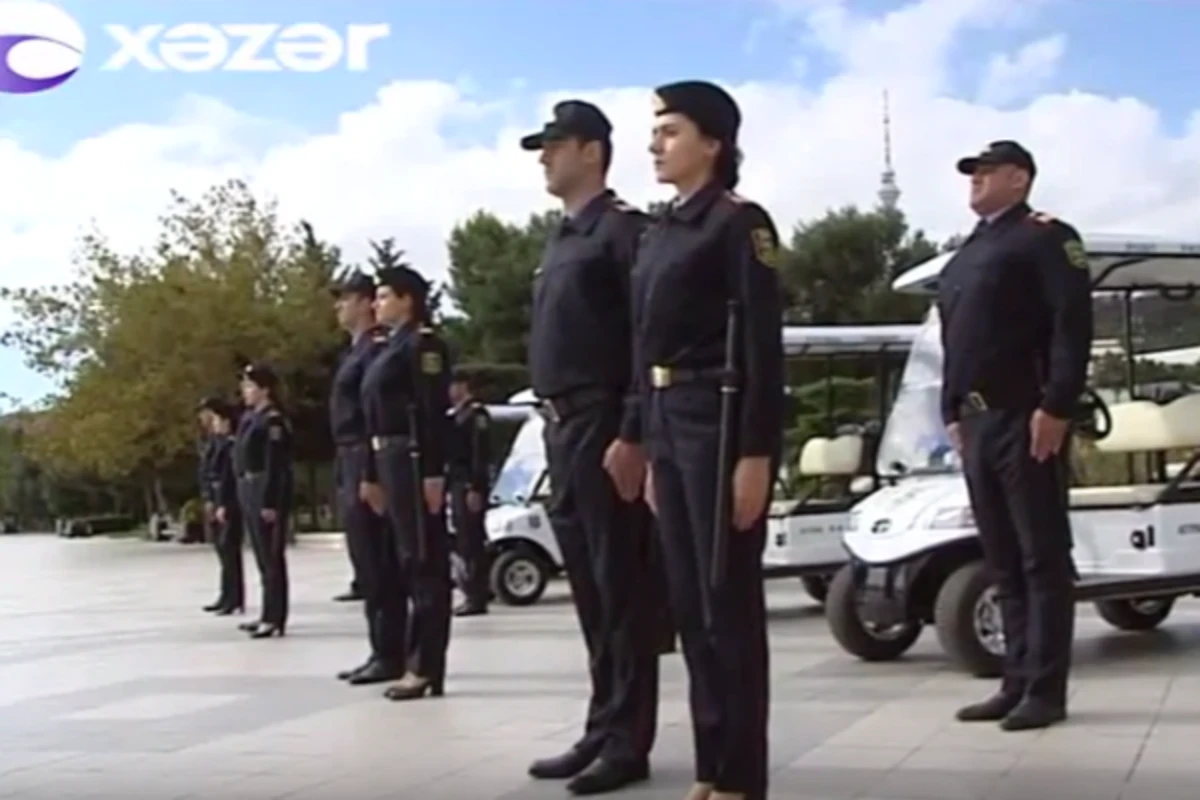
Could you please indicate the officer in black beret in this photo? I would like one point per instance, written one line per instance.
(405, 395)
(368, 538)
(215, 416)
(469, 461)
(708, 344)
(580, 363)
(1016, 310)
(262, 456)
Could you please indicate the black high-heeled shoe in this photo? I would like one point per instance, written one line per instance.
(248, 627)
(266, 631)
(414, 687)
(214, 606)
(225, 611)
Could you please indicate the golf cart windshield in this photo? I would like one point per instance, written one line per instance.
(524, 466)
(914, 438)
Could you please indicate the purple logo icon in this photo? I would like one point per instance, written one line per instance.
(41, 46)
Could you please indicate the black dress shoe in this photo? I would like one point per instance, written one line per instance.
(348, 597)
(567, 765)
(608, 776)
(228, 610)
(347, 674)
(217, 606)
(266, 631)
(1033, 714)
(248, 627)
(467, 610)
(994, 709)
(375, 672)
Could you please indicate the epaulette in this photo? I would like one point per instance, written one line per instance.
(274, 414)
(1042, 217)
(735, 197)
(618, 204)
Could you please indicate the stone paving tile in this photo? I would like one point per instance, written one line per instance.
(114, 685)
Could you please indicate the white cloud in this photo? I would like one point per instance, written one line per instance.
(1012, 77)
(384, 169)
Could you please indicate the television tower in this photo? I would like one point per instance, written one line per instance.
(889, 192)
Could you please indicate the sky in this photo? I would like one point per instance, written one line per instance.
(1102, 91)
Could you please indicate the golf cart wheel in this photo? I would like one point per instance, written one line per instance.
(969, 625)
(1138, 614)
(518, 577)
(857, 637)
(817, 586)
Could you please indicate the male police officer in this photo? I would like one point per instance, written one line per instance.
(367, 538)
(469, 459)
(1016, 311)
(580, 360)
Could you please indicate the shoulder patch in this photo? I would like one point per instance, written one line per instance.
(275, 432)
(1076, 254)
(766, 249)
(431, 362)
(481, 422)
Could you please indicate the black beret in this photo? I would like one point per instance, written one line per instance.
(1004, 151)
(711, 108)
(356, 283)
(404, 281)
(261, 375)
(573, 119)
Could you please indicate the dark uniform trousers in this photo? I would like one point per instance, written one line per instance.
(471, 540)
(227, 539)
(1021, 511)
(373, 554)
(604, 552)
(269, 540)
(723, 633)
(427, 584)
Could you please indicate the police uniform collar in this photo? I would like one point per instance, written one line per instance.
(584, 220)
(691, 209)
(1009, 214)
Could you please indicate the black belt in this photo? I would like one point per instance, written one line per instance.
(666, 377)
(568, 404)
(978, 402)
(384, 442)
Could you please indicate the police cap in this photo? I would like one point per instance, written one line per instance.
(711, 108)
(210, 403)
(1004, 151)
(573, 119)
(261, 375)
(354, 282)
(404, 280)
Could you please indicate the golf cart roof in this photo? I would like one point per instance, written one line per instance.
(829, 340)
(518, 408)
(1117, 263)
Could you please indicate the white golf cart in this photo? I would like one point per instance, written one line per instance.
(804, 532)
(914, 556)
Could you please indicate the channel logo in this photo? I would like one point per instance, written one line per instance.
(41, 46)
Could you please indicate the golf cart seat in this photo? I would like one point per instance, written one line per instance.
(840, 456)
(1142, 426)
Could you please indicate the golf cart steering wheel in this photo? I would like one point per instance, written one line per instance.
(1092, 418)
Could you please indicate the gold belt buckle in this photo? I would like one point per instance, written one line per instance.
(975, 400)
(660, 377)
(376, 443)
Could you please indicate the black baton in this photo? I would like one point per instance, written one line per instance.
(414, 457)
(729, 388)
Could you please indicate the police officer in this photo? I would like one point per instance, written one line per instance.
(372, 551)
(262, 457)
(470, 458)
(710, 248)
(1015, 304)
(227, 514)
(580, 361)
(206, 478)
(405, 396)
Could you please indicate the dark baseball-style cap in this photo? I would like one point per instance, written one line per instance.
(573, 119)
(354, 283)
(1004, 151)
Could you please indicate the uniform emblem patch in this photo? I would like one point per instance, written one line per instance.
(431, 363)
(766, 251)
(275, 432)
(1076, 255)
(481, 422)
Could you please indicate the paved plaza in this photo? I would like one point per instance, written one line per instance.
(114, 684)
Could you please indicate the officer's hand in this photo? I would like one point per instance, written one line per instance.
(372, 495)
(208, 510)
(268, 515)
(648, 491)
(1046, 435)
(474, 501)
(626, 465)
(220, 514)
(435, 494)
(954, 433)
(751, 487)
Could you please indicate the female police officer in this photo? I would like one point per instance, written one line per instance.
(262, 458)
(705, 268)
(405, 395)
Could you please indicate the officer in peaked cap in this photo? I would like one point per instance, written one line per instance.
(708, 319)
(581, 369)
(1016, 310)
(230, 596)
(368, 541)
(228, 530)
(469, 474)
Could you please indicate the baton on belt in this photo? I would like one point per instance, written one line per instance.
(418, 487)
(729, 389)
